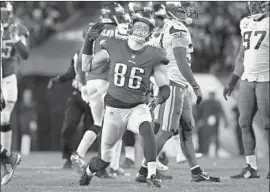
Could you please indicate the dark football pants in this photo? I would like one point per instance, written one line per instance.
(76, 108)
(252, 97)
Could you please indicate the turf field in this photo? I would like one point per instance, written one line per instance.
(41, 172)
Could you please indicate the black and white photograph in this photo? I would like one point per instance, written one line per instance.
(134, 96)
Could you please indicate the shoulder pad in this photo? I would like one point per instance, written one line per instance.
(244, 23)
(23, 30)
(178, 30)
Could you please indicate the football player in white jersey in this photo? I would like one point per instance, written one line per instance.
(252, 66)
(172, 34)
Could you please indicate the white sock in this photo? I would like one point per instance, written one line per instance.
(6, 140)
(26, 144)
(88, 172)
(130, 153)
(152, 168)
(87, 140)
(252, 161)
(2, 149)
(116, 156)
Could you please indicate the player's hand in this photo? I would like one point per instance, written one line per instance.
(52, 82)
(14, 33)
(227, 91)
(198, 93)
(95, 31)
(2, 101)
(153, 103)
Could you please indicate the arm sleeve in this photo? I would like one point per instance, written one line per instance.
(70, 74)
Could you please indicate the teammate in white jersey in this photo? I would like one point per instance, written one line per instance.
(172, 35)
(252, 65)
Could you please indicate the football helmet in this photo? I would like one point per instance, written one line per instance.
(113, 13)
(6, 13)
(256, 7)
(184, 11)
(142, 20)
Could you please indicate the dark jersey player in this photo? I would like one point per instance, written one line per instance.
(132, 63)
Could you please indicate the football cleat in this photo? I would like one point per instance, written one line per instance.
(118, 172)
(77, 162)
(85, 179)
(180, 158)
(128, 164)
(140, 178)
(203, 176)
(67, 164)
(142, 175)
(10, 165)
(161, 167)
(153, 182)
(248, 173)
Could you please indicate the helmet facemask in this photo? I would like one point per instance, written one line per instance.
(6, 15)
(256, 7)
(140, 31)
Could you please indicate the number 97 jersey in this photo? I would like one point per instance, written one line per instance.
(130, 71)
(255, 34)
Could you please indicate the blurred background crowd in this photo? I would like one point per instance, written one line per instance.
(53, 31)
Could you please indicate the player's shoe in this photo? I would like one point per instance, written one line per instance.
(248, 173)
(10, 164)
(153, 182)
(161, 167)
(67, 164)
(103, 174)
(142, 175)
(268, 175)
(85, 179)
(203, 176)
(77, 162)
(180, 157)
(128, 163)
(118, 172)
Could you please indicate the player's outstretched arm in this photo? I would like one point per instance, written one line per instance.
(20, 41)
(237, 73)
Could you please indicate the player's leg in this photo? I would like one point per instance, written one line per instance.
(115, 169)
(10, 93)
(186, 128)
(140, 122)
(169, 116)
(113, 129)
(262, 96)
(89, 136)
(72, 118)
(247, 109)
(97, 90)
(129, 141)
(8, 158)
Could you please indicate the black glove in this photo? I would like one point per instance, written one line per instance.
(53, 81)
(229, 88)
(198, 93)
(95, 31)
(2, 101)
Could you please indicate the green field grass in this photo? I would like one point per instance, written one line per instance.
(41, 172)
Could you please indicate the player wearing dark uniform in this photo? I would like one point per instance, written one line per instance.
(132, 63)
(14, 45)
(111, 24)
(76, 108)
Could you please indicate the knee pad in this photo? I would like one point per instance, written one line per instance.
(5, 128)
(6, 113)
(96, 129)
(96, 164)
